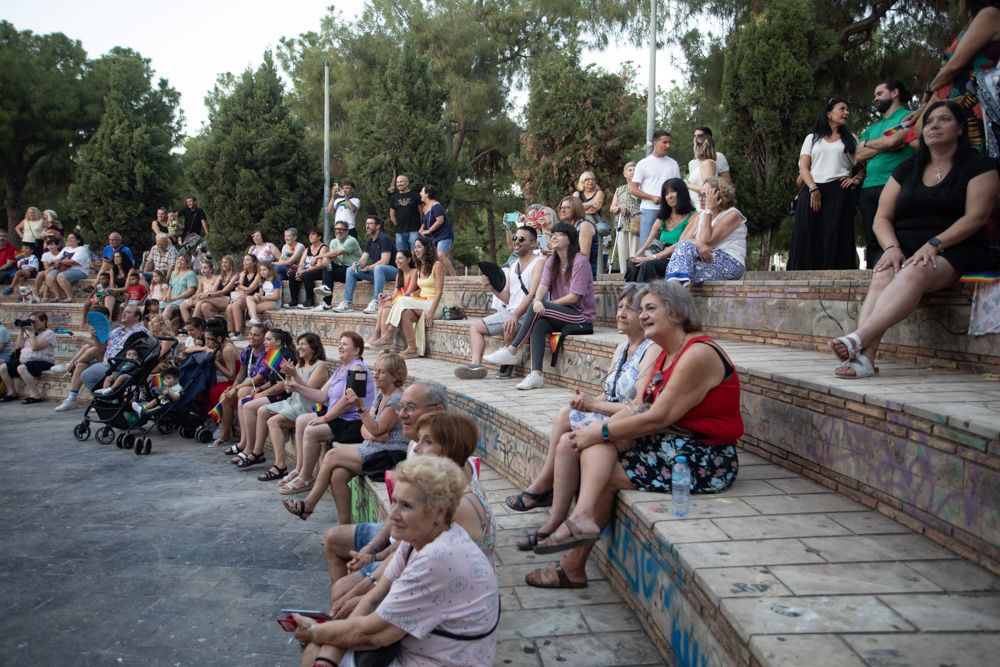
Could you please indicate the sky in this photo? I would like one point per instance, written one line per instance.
(190, 42)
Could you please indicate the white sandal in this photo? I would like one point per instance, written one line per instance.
(861, 366)
(851, 344)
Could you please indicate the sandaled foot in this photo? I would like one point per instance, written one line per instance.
(846, 347)
(251, 459)
(518, 504)
(232, 450)
(219, 442)
(553, 576)
(576, 538)
(856, 369)
(292, 474)
(272, 473)
(297, 485)
(528, 542)
(410, 354)
(296, 507)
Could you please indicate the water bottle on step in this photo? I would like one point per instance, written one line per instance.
(680, 487)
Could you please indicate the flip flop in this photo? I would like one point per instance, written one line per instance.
(32, 400)
(516, 502)
(846, 347)
(218, 442)
(528, 542)
(296, 507)
(577, 538)
(540, 579)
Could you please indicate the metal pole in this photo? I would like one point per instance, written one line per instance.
(326, 149)
(651, 93)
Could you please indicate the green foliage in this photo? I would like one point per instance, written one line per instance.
(43, 108)
(578, 120)
(251, 169)
(126, 171)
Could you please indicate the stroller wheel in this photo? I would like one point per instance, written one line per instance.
(165, 425)
(118, 441)
(105, 435)
(148, 447)
(187, 432)
(140, 445)
(128, 441)
(82, 431)
(203, 435)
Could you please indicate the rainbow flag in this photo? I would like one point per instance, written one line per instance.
(273, 360)
(156, 381)
(216, 413)
(21, 254)
(554, 341)
(317, 407)
(984, 277)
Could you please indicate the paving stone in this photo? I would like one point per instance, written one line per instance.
(804, 504)
(512, 556)
(953, 650)
(876, 548)
(521, 520)
(862, 523)
(598, 592)
(797, 485)
(602, 618)
(745, 552)
(605, 650)
(693, 530)
(810, 615)
(948, 611)
(812, 650)
(957, 575)
(852, 579)
(782, 525)
(751, 487)
(545, 622)
(517, 652)
(766, 471)
(701, 508)
(728, 582)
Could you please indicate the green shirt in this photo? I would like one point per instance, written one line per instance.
(880, 167)
(352, 251)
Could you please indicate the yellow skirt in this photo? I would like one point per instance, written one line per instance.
(414, 303)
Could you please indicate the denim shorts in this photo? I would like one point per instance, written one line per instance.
(444, 245)
(72, 275)
(363, 534)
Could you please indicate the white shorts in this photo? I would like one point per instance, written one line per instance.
(494, 322)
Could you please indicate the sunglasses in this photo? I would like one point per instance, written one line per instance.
(654, 383)
(522, 239)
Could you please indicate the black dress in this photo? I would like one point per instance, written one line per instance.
(923, 211)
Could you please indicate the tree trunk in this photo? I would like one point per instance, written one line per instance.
(764, 258)
(13, 188)
(491, 233)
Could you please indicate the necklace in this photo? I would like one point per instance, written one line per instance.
(937, 173)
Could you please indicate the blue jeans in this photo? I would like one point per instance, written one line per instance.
(647, 216)
(281, 270)
(379, 275)
(363, 534)
(93, 375)
(405, 240)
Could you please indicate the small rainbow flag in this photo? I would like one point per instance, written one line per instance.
(21, 254)
(318, 407)
(216, 413)
(273, 359)
(156, 381)
(984, 277)
(554, 341)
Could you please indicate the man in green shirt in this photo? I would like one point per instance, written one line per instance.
(882, 154)
(344, 251)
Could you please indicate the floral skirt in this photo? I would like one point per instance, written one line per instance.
(649, 463)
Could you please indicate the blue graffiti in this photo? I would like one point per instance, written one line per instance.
(685, 647)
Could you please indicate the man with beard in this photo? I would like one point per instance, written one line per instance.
(883, 154)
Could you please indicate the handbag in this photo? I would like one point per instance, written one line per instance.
(454, 313)
(634, 224)
(655, 248)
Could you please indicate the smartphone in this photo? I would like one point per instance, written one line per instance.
(512, 218)
(288, 624)
(358, 381)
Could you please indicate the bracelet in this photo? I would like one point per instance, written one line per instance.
(373, 579)
(812, 190)
(889, 248)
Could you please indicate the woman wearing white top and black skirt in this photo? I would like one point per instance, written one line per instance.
(823, 231)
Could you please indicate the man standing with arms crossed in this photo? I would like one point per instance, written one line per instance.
(650, 173)
(884, 154)
(404, 212)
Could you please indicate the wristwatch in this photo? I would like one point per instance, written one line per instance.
(936, 242)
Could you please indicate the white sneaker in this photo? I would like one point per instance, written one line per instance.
(139, 408)
(66, 406)
(301, 306)
(372, 307)
(252, 321)
(502, 357)
(321, 307)
(324, 290)
(343, 307)
(532, 381)
(58, 369)
(233, 335)
(102, 392)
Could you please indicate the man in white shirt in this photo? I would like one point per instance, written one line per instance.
(650, 173)
(720, 159)
(344, 206)
(510, 303)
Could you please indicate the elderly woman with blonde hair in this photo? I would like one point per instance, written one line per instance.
(715, 248)
(438, 601)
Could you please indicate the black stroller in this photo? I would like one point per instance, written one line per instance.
(114, 410)
(190, 412)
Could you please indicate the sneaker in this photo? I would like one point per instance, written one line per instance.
(59, 369)
(233, 335)
(532, 381)
(321, 307)
(505, 372)
(302, 306)
(471, 372)
(372, 307)
(7, 291)
(66, 406)
(501, 356)
(343, 307)
(103, 392)
(252, 321)
(324, 290)
(139, 408)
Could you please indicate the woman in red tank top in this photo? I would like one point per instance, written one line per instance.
(691, 407)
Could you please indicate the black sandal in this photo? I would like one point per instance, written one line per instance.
(516, 503)
(296, 507)
(528, 542)
(31, 400)
(272, 473)
(251, 459)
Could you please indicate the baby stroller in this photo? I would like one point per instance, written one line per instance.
(190, 412)
(114, 410)
(194, 246)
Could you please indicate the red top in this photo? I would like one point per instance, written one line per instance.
(716, 420)
(8, 254)
(136, 292)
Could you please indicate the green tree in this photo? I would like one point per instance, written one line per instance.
(577, 120)
(126, 171)
(252, 168)
(770, 104)
(43, 109)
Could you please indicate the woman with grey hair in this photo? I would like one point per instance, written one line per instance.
(291, 254)
(438, 601)
(714, 248)
(625, 208)
(690, 406)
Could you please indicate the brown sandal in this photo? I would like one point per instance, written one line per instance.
(543, 578)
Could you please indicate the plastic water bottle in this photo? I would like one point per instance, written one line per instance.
(680, 487)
